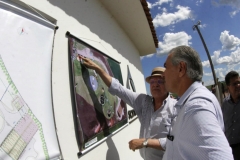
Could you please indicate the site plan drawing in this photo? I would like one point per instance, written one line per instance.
(27, 126)
(18, 125)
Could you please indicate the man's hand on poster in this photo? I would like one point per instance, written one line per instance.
(87, 62)
(91, 65)
(136, 144)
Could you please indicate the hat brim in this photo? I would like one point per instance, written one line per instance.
(154, 75)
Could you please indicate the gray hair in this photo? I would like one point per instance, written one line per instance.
(191, 58)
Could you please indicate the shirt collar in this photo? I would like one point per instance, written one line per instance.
(188, 92)
(230, 99)
(164, 101)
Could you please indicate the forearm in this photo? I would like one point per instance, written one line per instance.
(127, 95)
(107, 79)
(138, 144)
(154, 143)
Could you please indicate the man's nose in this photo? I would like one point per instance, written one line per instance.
(155, 83)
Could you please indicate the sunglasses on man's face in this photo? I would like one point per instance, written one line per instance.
(158, 81)
(235, 84)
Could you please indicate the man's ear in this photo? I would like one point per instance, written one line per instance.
(182, 69)
(228, 88)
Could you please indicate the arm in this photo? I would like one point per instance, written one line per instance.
(128, 96)
(90, 64)
(138, 144)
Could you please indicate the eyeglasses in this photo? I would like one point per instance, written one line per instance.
(235, 84)
(158, 81)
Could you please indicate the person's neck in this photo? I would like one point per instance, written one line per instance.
(183, 86)
(235, 99)
(158, 102)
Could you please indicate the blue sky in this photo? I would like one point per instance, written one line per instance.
(220, 28)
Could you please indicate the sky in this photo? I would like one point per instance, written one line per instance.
(219, 25)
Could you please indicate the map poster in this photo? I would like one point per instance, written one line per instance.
(99, 113)
(27, 129)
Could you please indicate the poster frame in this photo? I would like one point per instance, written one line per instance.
(74, 103)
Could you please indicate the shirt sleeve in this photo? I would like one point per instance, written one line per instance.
(163, 142)
(131, 98)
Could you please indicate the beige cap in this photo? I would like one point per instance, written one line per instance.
(158, 71)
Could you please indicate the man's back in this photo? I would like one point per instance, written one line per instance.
(198, 131)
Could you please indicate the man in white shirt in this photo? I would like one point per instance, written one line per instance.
(198, 132)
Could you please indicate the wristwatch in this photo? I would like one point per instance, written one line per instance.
(145, 143)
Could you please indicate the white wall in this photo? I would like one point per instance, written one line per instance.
(91, 22)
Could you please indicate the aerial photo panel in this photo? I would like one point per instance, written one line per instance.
(98, 113)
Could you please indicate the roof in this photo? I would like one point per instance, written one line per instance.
(149, 18)
(134, 17)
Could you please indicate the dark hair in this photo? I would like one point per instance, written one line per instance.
(191, 58)
(230, 75)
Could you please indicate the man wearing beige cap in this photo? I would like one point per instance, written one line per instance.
(153, 111)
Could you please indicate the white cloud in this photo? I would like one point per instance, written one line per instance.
(234, 58)
(233, 3)
(171, 40)
(203, 26)
(224, 60)
(234, 67)
(166, 19)
(235, 55)
(208, 82)
(149, 5)
(214, 58)
(229, 42)
(206, 73)
(160, 2)
(164, 9)
(233, 13)
(147, 56)
(206, 63)
(172, 28)
(199, 2)
(219, 73)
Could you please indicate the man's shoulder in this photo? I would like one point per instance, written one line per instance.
(145, 98)
(202, 99)
(203, 94)
(226, 99)
(226, 102)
